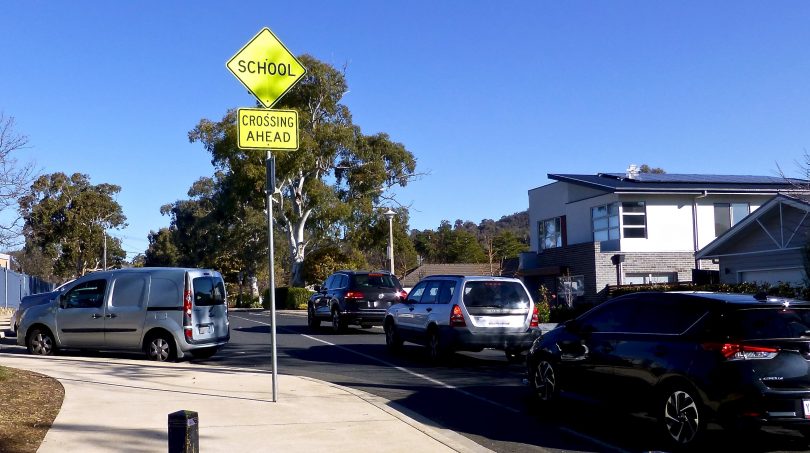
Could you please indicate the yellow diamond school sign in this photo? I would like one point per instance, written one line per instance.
(266, 67)
(267, 129)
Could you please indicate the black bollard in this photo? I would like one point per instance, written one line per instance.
(184, 432)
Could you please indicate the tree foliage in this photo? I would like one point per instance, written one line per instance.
(15, 181)
(334, 180)
(67, 218)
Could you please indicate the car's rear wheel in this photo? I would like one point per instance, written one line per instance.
(41, 342)
(681, 416)
(436, 350)
(312, 321)
(338, 324)
(543, 379)
(160, 348)
(392, 338)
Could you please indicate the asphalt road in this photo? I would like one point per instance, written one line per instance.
(479, 395)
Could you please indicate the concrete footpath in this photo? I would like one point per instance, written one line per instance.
(123, 405)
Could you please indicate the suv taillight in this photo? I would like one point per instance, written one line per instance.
(457, 317)
(535, 322)
(187, 328)
(353, 295)
(737, 351)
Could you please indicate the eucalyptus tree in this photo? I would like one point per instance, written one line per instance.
(337, 175)
(67, 218)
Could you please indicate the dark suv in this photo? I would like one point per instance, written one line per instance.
(354, 297)
(686, 359)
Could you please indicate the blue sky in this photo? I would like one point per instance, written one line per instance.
(489, 96)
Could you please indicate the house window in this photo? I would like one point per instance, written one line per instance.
(551, 233)
(634, 219)
(605, 221)
(726, 215)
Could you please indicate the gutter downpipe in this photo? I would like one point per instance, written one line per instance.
(695, 225)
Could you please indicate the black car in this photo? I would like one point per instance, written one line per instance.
(686, 359)
(354, 297)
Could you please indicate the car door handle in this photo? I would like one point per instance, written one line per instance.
(96, 316)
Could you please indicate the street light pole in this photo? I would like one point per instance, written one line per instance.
(389, 214)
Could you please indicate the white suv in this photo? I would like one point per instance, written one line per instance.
(449, 313)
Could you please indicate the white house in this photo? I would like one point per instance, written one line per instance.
(590, 231)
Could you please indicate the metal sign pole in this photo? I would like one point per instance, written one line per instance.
(271, 187)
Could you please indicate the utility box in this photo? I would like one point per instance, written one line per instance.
(184, 432)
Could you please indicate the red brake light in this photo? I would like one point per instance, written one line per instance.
(535, 322)
(737, 351)
(457, 317)
(354, 295)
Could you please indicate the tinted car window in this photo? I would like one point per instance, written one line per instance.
(208, 291)
(772, 322)
(129, 291)
(431, 293)
(416, 293)
(361, 281)
(86, 295)
(495, 294)
(164, 293)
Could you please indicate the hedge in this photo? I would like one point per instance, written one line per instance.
(288, 298)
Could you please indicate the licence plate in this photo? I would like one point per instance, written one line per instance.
(205, 329)
(806, 404)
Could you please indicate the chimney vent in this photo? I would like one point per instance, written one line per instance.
(632, 171)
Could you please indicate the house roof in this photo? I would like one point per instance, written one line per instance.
(426, 270)
(683, 183)
(715, 248)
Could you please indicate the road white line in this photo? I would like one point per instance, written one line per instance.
(404, 370)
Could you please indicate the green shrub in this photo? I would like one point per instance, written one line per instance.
(288, 298)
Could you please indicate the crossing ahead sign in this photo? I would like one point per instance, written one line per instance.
(267, 129)
(266, 67)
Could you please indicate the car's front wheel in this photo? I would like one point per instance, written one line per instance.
(543, 378)
(681, 416)
(392, 338)
(41, 342)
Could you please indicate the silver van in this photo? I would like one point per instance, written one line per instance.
(164, 312)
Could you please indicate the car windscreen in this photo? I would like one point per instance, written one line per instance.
(208, 291)
(500, 294)
(360, 281)
(767, 323)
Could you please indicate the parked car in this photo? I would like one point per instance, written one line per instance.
(684, 358)
(164, 312)
(353, 297)
(449, 313)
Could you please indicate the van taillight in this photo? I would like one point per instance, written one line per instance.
(187, 328)
(354, 295)
(737, 351)
(457, 317)
(535, 322)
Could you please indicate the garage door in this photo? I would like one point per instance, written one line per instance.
(792, 275)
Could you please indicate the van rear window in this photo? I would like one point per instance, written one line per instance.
(208, 291)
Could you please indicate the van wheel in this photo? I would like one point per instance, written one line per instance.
(338, 324)
(41, 342)
(160, 348)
